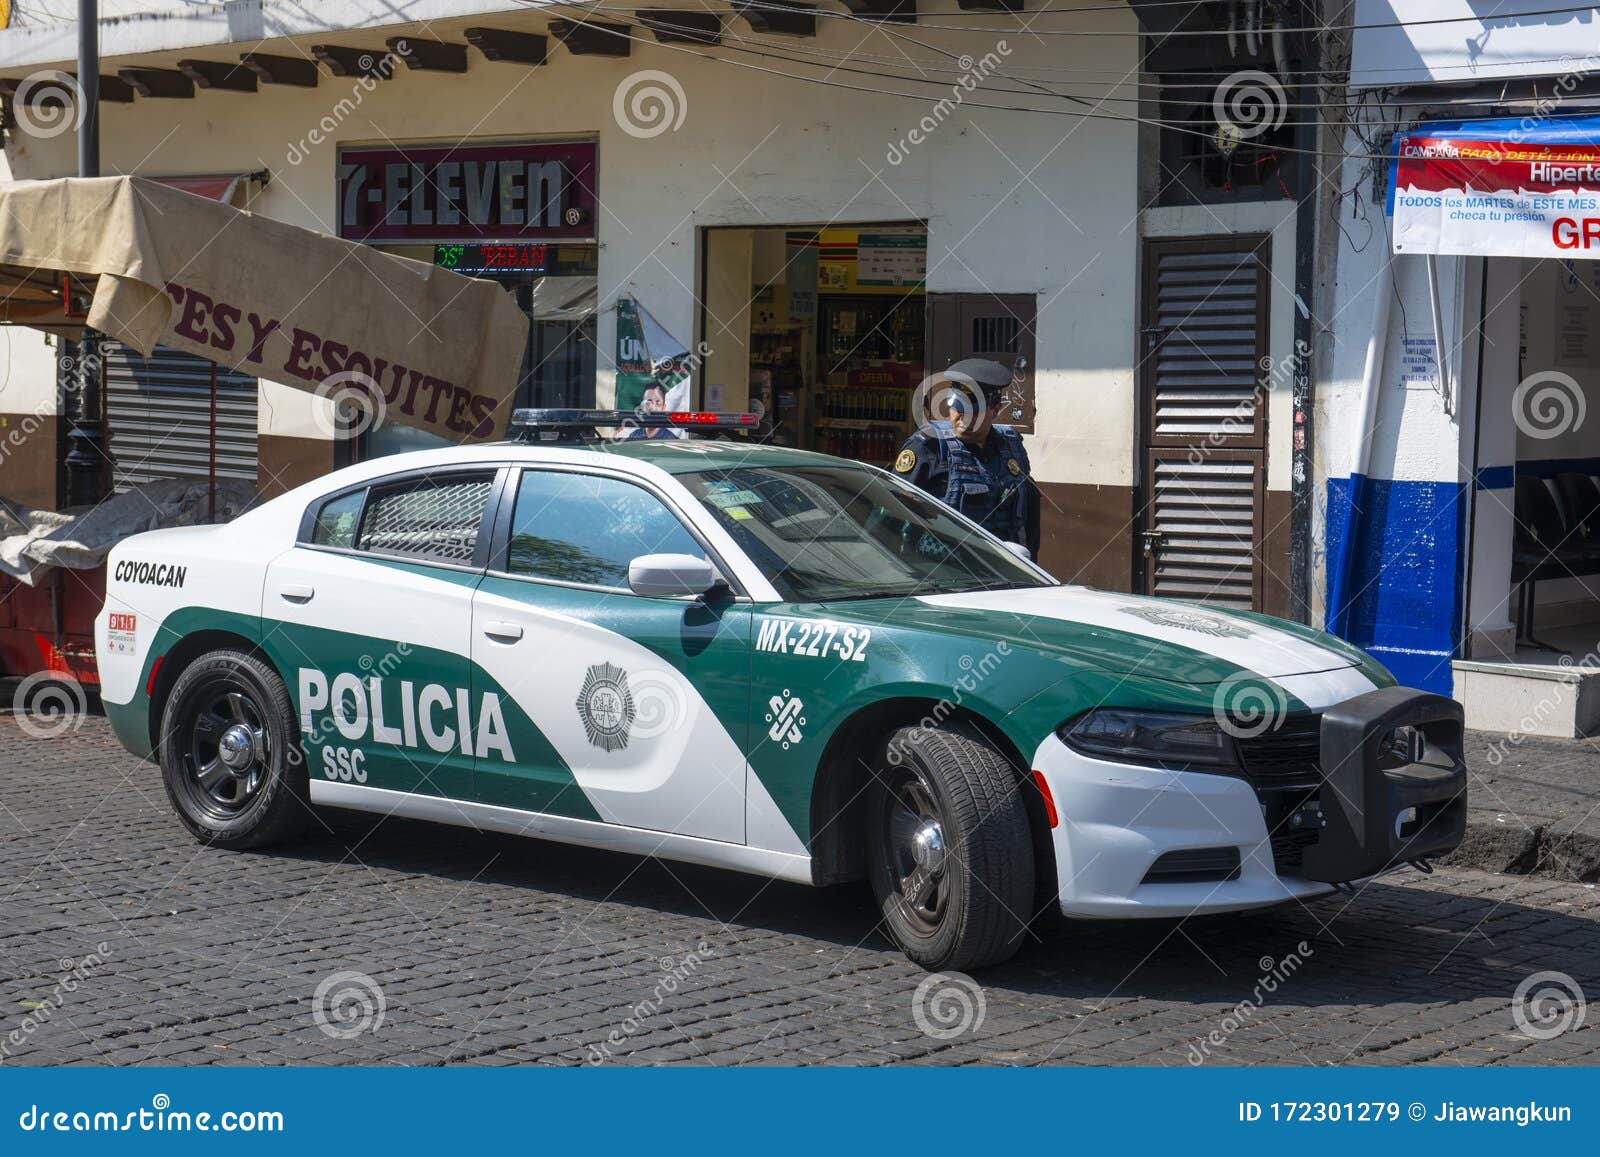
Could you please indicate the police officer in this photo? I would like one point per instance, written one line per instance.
(970, 463)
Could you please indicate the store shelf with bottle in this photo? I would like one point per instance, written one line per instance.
(863, 422)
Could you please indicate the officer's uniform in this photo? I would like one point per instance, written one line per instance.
(990, 484)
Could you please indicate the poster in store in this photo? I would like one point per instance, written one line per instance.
(647, 354)
(633, 356)
(801, 263)
(1498, 189)
(897, 257)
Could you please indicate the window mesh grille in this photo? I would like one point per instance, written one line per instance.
(434, 519)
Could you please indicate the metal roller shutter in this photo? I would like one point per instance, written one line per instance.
(159, 417)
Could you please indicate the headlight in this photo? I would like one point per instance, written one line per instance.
(1166, 739)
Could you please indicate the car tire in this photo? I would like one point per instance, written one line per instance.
(230, 753)
(949, 850)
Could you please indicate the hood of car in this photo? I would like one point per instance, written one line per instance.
(1150, 638)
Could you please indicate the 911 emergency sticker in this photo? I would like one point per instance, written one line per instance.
(814, 640)
(122, 634)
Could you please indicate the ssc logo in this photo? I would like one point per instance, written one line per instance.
(606, 707)
(786, 719)
(1187, 620)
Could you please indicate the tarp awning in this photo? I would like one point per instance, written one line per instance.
(437, 350)
(1498, 188)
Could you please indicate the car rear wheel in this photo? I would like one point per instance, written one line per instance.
(229, 753)
(950, 855)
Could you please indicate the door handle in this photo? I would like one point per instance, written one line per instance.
(297, 594)
(503, 632)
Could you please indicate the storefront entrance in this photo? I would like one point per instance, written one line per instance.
(824, 330)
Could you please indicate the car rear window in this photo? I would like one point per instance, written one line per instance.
(431, 517)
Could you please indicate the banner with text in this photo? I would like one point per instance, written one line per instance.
(1498, 188)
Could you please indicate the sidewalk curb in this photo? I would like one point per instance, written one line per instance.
(1539, 850)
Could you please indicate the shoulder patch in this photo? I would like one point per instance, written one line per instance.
(1013, 466)
(907, 462)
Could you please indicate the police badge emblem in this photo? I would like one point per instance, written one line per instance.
(1014, 466)
(606, 706)
(905, 462)
(1187, 620)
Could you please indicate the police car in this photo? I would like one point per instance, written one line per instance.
(761, 659)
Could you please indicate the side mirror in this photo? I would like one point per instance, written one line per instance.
(1019, 550)
(669, 576)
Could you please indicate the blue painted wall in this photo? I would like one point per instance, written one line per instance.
(1404, 582)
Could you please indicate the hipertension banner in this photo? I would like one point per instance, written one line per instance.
(1498, 188)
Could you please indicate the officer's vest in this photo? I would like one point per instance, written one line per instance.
(964, 469)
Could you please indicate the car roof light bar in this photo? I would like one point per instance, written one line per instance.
(529, 425)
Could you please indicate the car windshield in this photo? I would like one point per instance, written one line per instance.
(841, 532)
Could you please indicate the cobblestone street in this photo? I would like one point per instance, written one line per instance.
(123, 942)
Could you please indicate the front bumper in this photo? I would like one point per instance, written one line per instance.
(1118, 820)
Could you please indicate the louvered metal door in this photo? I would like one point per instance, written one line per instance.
(1202, 374)
(159, 411)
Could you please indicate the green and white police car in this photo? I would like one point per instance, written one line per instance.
(761, 659)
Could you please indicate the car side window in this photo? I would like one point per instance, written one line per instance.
(584, 528)
(335, 523)
(432, 517)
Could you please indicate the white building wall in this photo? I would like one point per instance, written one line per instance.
(1015, 202)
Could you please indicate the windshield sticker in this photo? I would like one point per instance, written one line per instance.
(1187, 620)
(606, 706)
(785, 718)
(727, 498)
(738, 512)
(814, 640)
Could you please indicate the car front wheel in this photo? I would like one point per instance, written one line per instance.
(950, 855)
(229, 753)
